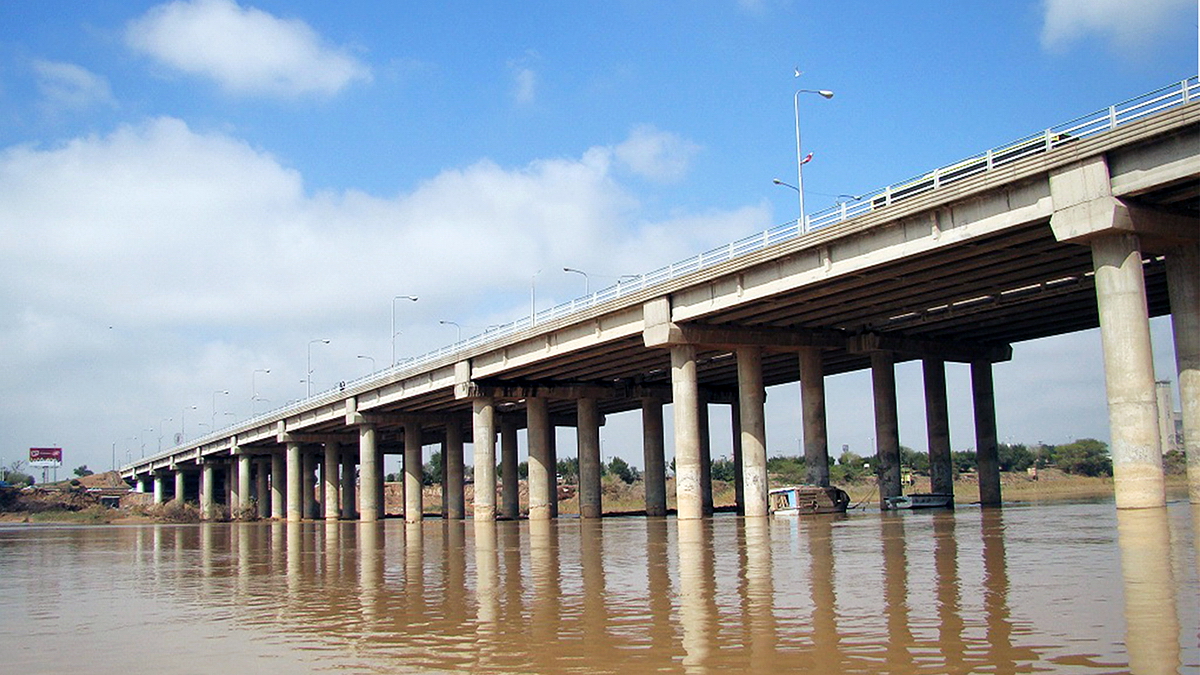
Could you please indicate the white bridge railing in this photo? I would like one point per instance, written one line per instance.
(1131, 110)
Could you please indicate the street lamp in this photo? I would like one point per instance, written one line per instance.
(183, 422)
(458, 338)
(371, 359)
(533, 298)
(254, 387)
(223, 392)
(160, 431)
(587, 288)
(413, 298)
(800, 160)
(309, 378)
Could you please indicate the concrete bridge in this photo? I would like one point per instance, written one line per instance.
(1092, 223)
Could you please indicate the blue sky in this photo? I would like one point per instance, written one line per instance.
(192, 191)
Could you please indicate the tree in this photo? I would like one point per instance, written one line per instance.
(724, 470)
(1014, 457)
(789, 470)
(431, 472)
(963, 461)
(621, 469)
(1084, 457)
(917, 462)
(82, 471)
(569, 470)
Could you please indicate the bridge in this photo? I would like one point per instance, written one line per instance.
(1093, 223)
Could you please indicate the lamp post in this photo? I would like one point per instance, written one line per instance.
(223, 392)
(160, 431)
(308, 379)
(413, 298)
(533, 298)
(254, 387)
(183, 421)
(587, 284)
(800, 160)
(458, 337)
(371, 359)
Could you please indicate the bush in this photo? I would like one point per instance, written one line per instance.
(1014, 457)
(621, 469)
(1175, 463)
(788, 470)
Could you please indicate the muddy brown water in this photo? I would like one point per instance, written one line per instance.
(1059, 588)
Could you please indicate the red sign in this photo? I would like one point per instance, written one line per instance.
(45, 455)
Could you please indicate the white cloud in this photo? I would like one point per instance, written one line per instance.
(1128, 24)
(68, 86)
(209, 260)
(658, 155)
(245, 50)
(524, 78)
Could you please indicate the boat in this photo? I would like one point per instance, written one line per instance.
(795, 500)
(922, 500)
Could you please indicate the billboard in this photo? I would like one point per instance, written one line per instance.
(45, 457)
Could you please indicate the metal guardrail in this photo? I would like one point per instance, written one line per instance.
(1125, 112)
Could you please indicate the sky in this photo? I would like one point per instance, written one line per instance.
(192, 192)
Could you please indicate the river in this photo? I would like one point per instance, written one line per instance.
(1060, 587)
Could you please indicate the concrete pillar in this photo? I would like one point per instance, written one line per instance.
(510, 490)
(370, 508)
(588, 434)
(812, 412)
(349, 485)
(539, 458)
(380, 475)
(706, 496)
(278, 485)
(551, 467)
(1128, 372)
(752, 396)
(244, 474)
(887, 429)
(308, 467)
(452, 459)
(180, 492)
(414, 473)
(484, 440)
(330, 476)
(937, 425)
(160, 481)
(1184, 287)
(739, 475)
(987, 451)
(295, 483)
(655, 476)
(207, 480)
(685, 391)
(263, 488)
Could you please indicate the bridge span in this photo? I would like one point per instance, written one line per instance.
(1095, 223)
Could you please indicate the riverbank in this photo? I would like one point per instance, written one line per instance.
(75, 505)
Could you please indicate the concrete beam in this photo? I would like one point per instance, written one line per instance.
(945, 350)
(732, 337)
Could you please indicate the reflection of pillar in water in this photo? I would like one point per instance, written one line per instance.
(206, 548)
(158, 547)
(595, 613)
(487, 597)
(295, 557)
(414, 561)
(895, 593)
(695, 592)
(333, 549)
(454, 574)
(509, 535)
(370, 569)
(826, 639)
(995, 592)
(543, 569)
(658, 586)
(758, 592)
(945, 565)
(240, 542)
(1151, 621)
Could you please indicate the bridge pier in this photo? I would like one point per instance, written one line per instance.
(295, 483)
(752, 396)
(413, 473)
(262, 488)
(686, 409)
(653, 455)
(330, 500)
(937, 425)
(484, 440)
(706, 498)
(1183, 283)
(588, 440)
(244, 474)
(179, 484)
(540, 467)
(739, 483)
(160, 480)
(207, 478)
(987, 459)
(812, 406)
(278, 485)
(370, 475)
(510, 493)
(887, 429)
(452, 458)
(349, 492)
